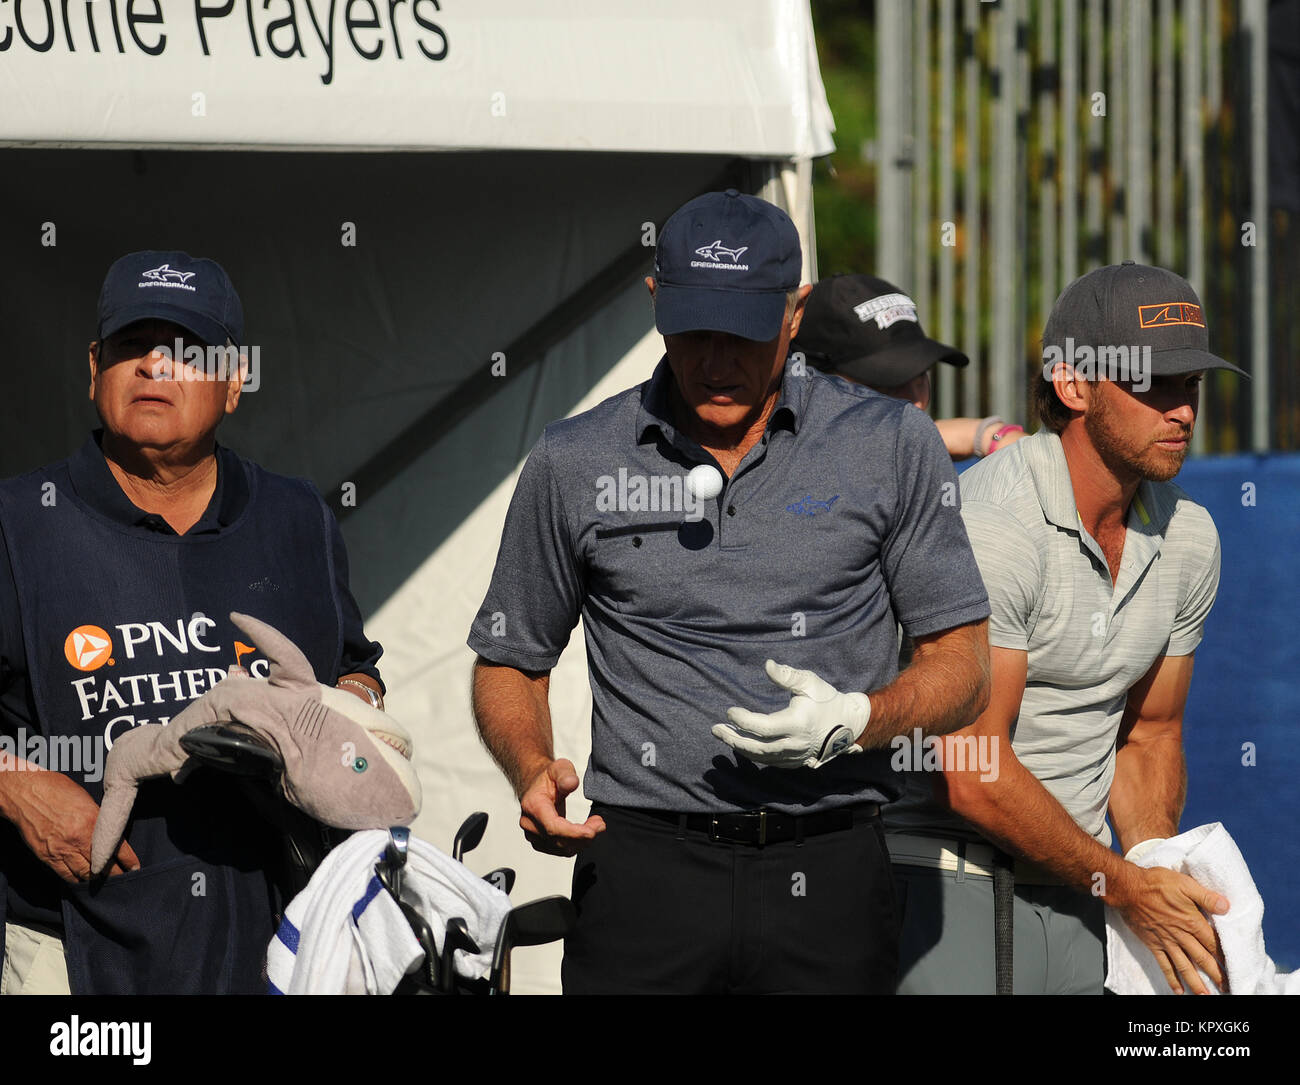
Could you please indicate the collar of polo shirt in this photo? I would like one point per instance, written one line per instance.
(656, 412)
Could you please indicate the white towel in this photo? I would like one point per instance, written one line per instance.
(344, 933)
(1210, 855)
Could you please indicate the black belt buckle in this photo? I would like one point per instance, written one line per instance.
(747, 827)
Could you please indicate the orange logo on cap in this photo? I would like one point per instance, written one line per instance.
(88, 648)
(1170, 312)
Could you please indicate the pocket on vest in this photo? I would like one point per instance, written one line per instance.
(169, 929)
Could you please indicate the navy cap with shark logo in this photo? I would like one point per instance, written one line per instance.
(868, 330)
(725, 262)
(1135, 305)
(195, 293)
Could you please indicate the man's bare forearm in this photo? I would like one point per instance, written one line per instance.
(514, 720)
(15, 794)
(1149, 789)
(958, 435)
(1022, 817)
(11, 783)
(945, 688)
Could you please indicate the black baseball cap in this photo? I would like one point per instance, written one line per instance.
(1135, 305)
(193, 292)
(725, 262)
(868, 330)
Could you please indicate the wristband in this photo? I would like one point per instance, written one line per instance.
(993, 441)
(983, 428)
(376, 701)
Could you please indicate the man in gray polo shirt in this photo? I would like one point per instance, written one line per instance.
(732, 626)
(1100, 575)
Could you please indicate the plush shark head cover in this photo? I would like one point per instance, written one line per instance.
(345, 763)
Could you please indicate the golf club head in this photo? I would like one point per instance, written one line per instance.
(232, 749)
(457, 937)
(533, 924)
(469, 834)
(429, 977)
(503, 878)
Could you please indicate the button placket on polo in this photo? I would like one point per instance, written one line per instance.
(729, 512)
(730, 505)
(1098, 584)
(1140, 550)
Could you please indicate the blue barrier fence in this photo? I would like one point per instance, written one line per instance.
(1242, 726)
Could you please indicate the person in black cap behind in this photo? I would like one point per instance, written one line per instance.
(866, 330)
(119, 568)
(740, 640)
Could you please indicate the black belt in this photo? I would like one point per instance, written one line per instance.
(766, 826)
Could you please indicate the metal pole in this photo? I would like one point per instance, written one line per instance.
(1047, 182)
(892, 188)
(1020, 298)
(946, 328)
(1096, 42)
(1115, 105)
(1005, 195)
(971, 226)
(1213, 60)
(1254, 20)
(1193, 166)
(1138, 105)
(1165, 137)
(1069, 148)
(1193, 144)
(923, 214)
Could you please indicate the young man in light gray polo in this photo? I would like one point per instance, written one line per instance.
(1100, 574)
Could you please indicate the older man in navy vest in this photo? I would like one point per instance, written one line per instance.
(119, 568)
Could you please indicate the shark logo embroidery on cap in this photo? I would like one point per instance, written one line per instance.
(165, 271)
(717, 249)
(1167, 313)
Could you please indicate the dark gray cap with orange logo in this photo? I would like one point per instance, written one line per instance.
(1135, 305)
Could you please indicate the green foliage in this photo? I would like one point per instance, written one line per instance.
(844, 184)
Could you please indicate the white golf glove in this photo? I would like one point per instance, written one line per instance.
(819, 723)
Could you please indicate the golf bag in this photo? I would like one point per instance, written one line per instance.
(306, 843)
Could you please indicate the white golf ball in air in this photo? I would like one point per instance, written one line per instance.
(705, 481)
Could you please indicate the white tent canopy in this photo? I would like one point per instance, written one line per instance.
(735, 77)
(419, 317)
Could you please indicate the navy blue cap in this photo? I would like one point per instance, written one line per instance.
(193, 292)
(725, 262)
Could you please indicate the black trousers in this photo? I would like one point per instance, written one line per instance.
(668, 911)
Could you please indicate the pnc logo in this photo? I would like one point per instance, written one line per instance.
(88, 648)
